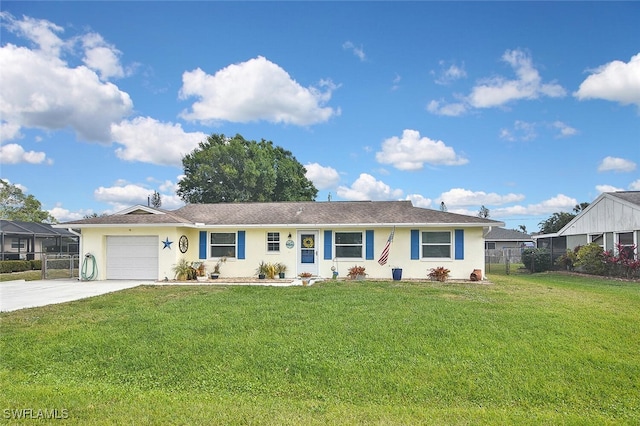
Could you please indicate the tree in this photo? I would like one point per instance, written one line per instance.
(556, 222)
(580, 207)
(15, 205)
(523, 228)
(155, 200)
(223, 169)
(483, 212)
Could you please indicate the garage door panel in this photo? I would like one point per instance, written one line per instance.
(132, 257)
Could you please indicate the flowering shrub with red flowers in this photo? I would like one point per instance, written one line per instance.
(625, 263)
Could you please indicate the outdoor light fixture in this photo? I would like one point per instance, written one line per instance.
(289, 235)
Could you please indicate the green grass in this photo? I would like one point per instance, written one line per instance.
(527, 349)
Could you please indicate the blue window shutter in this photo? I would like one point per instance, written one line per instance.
(415, 244)
(328, 244)
(369, 244)
(203, 245)
(459, 244)
(241, 244)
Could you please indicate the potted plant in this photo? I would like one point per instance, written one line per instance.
(201, 272)
(182, 270)
(357, 273)
(304, 276)
(216, 268)
(281, 268)
(262, 270)
(439, 274)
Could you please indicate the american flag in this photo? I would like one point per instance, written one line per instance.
(385, 251)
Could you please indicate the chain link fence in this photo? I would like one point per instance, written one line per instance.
(60, 266)
(506, 260)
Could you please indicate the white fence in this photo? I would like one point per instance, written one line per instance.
(503, 256)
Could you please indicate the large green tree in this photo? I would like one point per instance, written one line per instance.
(15, 205)
(556, 222)
(223, 169)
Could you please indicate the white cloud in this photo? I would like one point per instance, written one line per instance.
(448, 109)
(564, 129)
(9, 131)
(607, 188)
(101, 56)
(558, 203)
(322, 177)
(14, 154)
(497, 91)
(43, 91)
(521, 131)
(616, 81)
(255, 90)
(411, 152)
(615, 164)
(39, 31)
(447, 75)
(635, 185)
(419, 201)
(459, 197)
(366, 187)
(66, 215)
(123, 195)
(358, 51)
(150, 141)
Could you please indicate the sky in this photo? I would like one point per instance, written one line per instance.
(526, 108)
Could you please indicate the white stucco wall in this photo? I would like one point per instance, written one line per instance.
(94, 241)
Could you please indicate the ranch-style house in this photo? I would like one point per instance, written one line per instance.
(321, 238)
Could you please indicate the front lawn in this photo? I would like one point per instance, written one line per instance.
(526, 349)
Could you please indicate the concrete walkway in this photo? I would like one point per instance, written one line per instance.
(21, 294)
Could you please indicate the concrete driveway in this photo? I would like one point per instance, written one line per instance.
(16, 295)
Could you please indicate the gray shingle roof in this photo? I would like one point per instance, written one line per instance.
(629, 196)
(502, 234)
(296, 213)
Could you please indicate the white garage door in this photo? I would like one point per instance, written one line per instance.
(132, 258)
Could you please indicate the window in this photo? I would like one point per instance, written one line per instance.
(491, 245)
(273, 241)
(625, 240)
(17, 243)
(598, 239)
(349, 244)
(436, 244)
(223, 244)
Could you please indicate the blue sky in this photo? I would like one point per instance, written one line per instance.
(525, 108)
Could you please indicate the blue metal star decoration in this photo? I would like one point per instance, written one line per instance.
(167, 244)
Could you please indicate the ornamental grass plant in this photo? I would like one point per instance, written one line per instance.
(522, 349)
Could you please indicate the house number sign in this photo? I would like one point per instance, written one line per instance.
(290, 244)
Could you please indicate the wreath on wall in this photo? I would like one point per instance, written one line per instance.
(307, 242)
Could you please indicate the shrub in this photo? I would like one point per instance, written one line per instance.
(439, 274)
(537, 259)
(624, 264)
(36, 265)
(356, 271)
(591, 259)
(8, 266)
(569, 259)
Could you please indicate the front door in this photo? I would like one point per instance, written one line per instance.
(308, 252)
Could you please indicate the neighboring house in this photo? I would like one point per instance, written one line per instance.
(505, 244)
(29, 240)
(501, 238)
(611, 219)
(317, 237)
